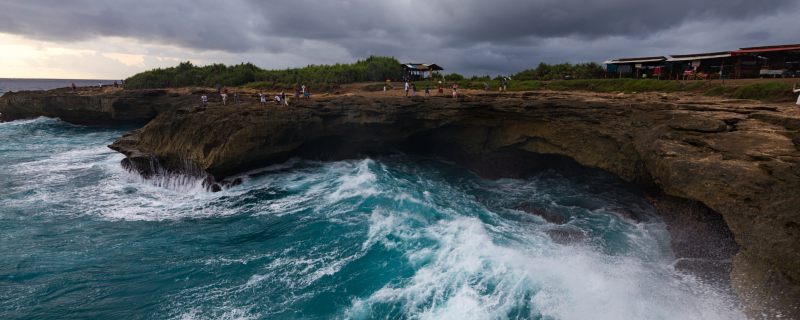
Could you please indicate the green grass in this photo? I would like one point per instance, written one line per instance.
(720, 91)
(594, 85)
(768, 91)
(623, 85)
(771, 91)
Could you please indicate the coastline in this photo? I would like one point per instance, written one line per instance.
(732, 157)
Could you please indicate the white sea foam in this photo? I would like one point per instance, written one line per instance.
(359, 184)
(471, 277)
(39, 120)
(226, 313)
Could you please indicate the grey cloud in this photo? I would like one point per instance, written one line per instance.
(193, 24)
(468, 36)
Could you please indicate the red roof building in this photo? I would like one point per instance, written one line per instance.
(766, 49)
(768, 61)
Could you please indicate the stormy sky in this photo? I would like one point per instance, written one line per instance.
(114, 39)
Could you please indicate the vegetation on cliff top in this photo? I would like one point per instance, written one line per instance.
(372, 69)
(186, 74)
(562, 71)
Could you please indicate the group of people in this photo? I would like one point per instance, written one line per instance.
(411, 88)
(279, 99)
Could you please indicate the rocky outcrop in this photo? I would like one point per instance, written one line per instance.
(734, 158)
(701, 159)
(89, 107)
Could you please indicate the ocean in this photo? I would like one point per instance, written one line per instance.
(13, 85)
(396, 237)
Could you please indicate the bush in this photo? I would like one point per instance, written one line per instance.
(561, 71)
(624, 85)
(454, 77)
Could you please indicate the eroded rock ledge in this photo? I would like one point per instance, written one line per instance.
(737, 158)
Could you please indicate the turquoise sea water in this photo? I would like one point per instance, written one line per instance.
(398, 237)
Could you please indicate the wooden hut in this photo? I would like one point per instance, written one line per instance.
(420, 71)
(644, 67)
(712, 65)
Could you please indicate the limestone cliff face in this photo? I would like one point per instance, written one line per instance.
(86, 107)
(741, 160)
(736, 158)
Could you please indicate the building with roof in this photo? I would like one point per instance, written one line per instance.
(752, 62)
(644, 67)
(711, 65)
(768, 61)
(419, 71)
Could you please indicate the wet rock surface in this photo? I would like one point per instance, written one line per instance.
(737, 161)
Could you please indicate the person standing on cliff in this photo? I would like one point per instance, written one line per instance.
(406, 88)
(303, 90)
(441, 89)
(74, 88)
(455, 91)
(795, 90)
(224, 96)
(204, 100)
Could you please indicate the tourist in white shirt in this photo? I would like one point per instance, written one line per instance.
(795, 90)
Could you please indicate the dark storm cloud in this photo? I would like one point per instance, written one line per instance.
(471, 36)
(193, 24)
(477, 20)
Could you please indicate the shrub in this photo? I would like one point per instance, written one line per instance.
(561, 71)
(454, 77)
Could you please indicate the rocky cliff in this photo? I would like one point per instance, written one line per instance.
(89, 107)
(699, 158)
